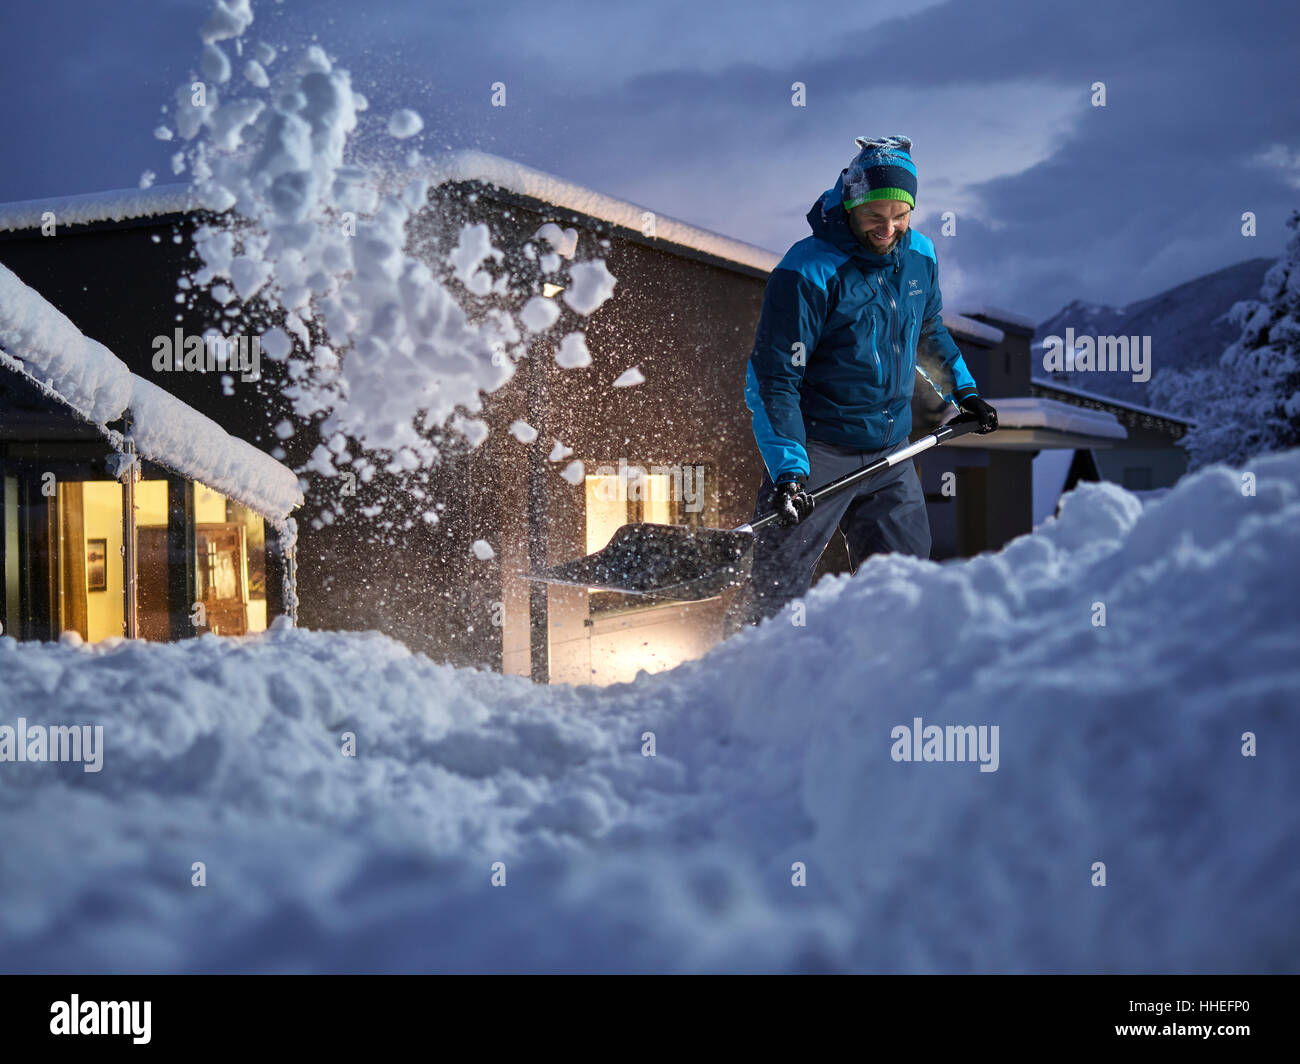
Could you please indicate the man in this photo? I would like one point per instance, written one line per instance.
(831, 375)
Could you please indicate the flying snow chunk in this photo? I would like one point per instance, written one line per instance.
(284, 429)
(229, 18)
(559, 452)
(404, 123)
(474, 430)
(539, 314)
(590, 284)
(214, 64)
(276, 344)
(482, 550)
(472, 246)
(573, 352)
(574, 472)
(522, 431)
(147, 179)
(249, 273)
(630, 378)
(256, 74)
(162, 133)
(562, 241)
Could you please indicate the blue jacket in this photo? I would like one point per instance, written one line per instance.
(860, 318)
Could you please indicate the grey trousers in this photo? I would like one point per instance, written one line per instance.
(885, 513)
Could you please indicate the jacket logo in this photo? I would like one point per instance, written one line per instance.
(914, 284)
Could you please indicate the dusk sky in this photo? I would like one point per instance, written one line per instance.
(686, 108)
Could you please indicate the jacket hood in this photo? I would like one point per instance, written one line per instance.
(830, 222)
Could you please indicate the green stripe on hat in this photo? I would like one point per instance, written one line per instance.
(882, 193)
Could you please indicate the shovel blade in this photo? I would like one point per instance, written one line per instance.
(668, 562)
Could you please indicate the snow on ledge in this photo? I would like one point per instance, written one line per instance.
(45, 346)
(177, 436)
(998, 314)
(85, 372)
(114, 206)
(1123, 404)
(1040, 413)
(971, 329)
(469, 165)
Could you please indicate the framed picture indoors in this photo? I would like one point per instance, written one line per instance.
(96, 565)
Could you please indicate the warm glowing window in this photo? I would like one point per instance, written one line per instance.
(620, 493)
(229, 564)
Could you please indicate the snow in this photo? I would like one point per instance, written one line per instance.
(214, 64)
(329, 238)
(522, 431)
(83, 371)
(179, 437)
(229, 19)
(1119, 744)
(470, 165)
(574, 471)
(564, 242)
(573, 352)
(42, 343)
(590, 284)
(482, 550)
(960, 325)
(539, 314)
(404, 123)
(275, 344)
(103, 206)
(629, 378)
(559, 452)
(1025, 413)
(999, 314)
(1050, 385)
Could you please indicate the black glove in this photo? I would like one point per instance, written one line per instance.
(793, 502)
(973, 404)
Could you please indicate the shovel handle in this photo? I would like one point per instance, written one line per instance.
(958, 426)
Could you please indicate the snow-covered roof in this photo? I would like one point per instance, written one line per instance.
(465, 165)
(1070, 389)
(43, 345)
(969, 327)
(1041, 413)
(115, 206)
(469, 165)
(1007, 317)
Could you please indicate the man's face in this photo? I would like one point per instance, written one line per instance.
(880, 224)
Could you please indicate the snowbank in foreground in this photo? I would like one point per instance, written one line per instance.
(1120, 744)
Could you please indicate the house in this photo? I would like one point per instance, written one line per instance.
(403, 553)
(1149, 459)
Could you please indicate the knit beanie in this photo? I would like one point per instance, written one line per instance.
(883, 169)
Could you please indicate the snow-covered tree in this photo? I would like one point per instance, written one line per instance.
(1250, 403)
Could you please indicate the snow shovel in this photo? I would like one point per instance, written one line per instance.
(679, 563)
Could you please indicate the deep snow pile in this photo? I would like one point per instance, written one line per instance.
(1119, 743)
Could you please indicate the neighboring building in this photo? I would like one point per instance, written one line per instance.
(1149, 459)
(125, 512)
(684, 313)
